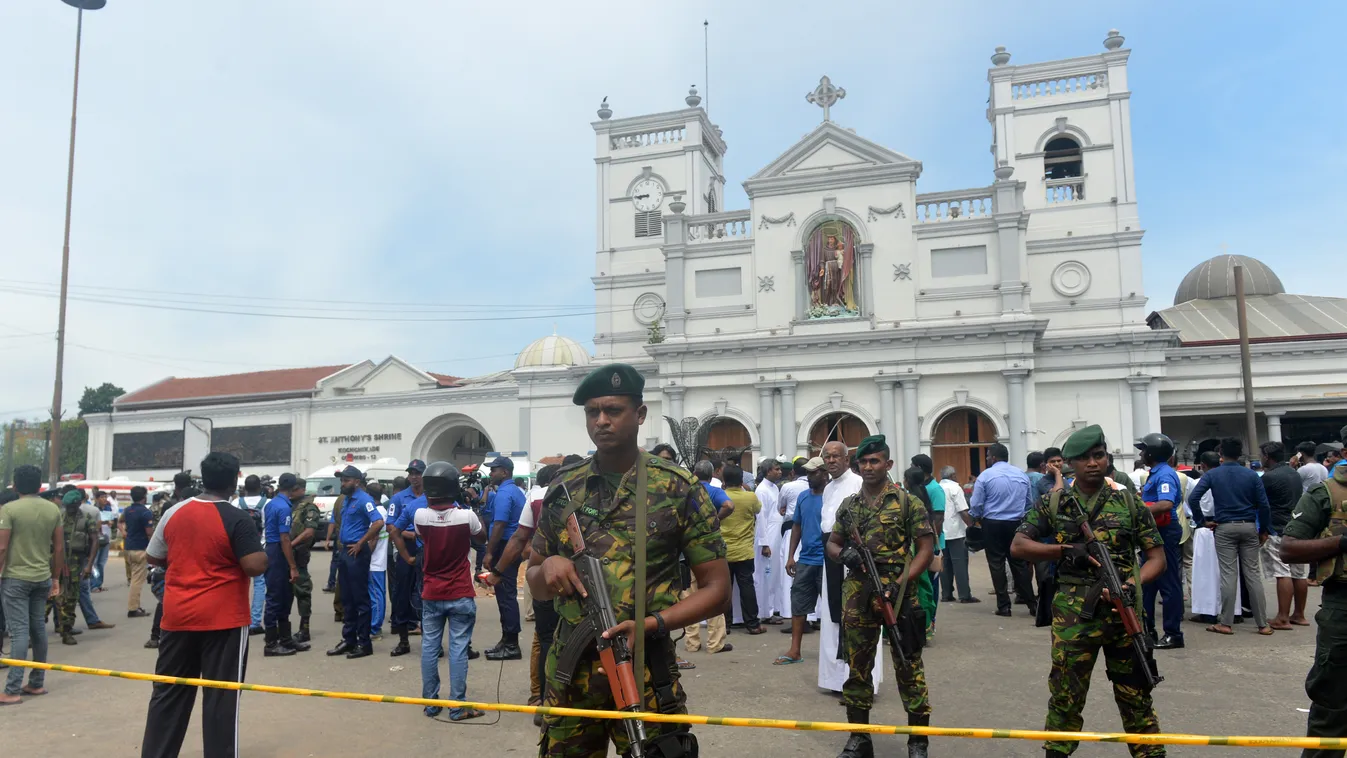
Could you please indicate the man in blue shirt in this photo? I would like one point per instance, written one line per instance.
(505, 505)
(806, 535)
(1241, 519)
(1162, 495)
(405, 584)
(281, 568)
(137, 528)
(359, 533)
(1001, 496)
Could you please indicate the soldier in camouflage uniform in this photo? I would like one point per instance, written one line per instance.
(680, 521)
(1124, 526)
(1317, 533)
(305, 519)
(81, 544)
(893, 524)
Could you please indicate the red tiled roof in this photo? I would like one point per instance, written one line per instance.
(289, 380)
(445, 380)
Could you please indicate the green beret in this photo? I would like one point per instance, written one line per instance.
(72, 497)
(872, 444)
(1082, 440)
(607, 381)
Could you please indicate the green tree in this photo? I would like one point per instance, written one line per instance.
(99, 400)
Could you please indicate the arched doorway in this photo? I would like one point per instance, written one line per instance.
(454, 438)
(961, 439)
(730, 440)
(836, 427)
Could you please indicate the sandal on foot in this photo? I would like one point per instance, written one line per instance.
(1266, 631)
(467, 713)
(786, 660)
(1216, 628)
(686, 665)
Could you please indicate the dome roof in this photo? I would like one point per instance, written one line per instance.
(552, 351)
(1215, 278)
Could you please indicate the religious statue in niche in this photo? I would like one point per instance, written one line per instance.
(830, 260)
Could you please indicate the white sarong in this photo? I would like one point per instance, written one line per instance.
(1207, 575)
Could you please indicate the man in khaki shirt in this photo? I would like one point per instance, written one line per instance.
(32, 555)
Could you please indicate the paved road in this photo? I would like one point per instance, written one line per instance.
(983, 671)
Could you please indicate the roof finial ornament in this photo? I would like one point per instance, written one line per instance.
(605, 112)
(825, 95)
(1114, 40)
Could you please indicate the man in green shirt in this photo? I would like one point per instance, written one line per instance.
(32, 553)
(1317, 533)
(738, 530)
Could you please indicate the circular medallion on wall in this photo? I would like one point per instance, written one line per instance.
(648, 308)
(1071, 279)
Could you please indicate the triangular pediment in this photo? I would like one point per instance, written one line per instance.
(830, 148)
(394, 375)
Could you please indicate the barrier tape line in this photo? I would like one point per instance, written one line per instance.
(811, 726)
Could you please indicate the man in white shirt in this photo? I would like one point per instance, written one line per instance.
(769, 562)
(790, 493)
(253, 501)
(957, 521)
(1311, 471)
(833, 671)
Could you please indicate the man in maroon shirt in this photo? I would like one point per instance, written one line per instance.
(214, 551)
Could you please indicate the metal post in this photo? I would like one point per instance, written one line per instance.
(1245, 360)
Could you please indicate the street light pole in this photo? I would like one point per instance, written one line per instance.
(54, 465)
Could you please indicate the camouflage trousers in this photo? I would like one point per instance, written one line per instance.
(303, 586)
(1076, 644)
(861, 632)
(574, 737)
(66, 602)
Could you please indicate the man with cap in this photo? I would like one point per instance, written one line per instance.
(505, 505)
(894, 526)
(360, 527)
(81, 548)
(1163, 496)
(281, 568)
(806, 570)
(305, 520)
(1124, 526)
(405, 586)
(611, 495)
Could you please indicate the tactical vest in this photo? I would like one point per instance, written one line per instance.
(77, 539)
(1335, 568)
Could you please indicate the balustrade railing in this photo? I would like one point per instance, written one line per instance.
(1068, 190)
(713, 227)
(1068, 85)
(646, 139)
(964, 205)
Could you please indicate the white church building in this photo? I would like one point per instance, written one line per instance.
(847, 299)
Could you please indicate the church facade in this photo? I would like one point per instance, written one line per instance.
(849, 298)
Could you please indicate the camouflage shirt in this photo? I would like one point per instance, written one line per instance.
(81, 533)
(1124, 525)
(305, 515)
(680, 521)
(1316, 515)
(891, 538)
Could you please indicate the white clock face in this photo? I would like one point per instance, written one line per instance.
(647, 195)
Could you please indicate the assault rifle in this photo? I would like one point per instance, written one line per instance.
(883, 606)
(1122, 598)
(614, 654)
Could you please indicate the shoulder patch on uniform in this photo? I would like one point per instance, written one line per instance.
(1164, 488)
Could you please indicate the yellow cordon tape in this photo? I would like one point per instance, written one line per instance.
(808, 726)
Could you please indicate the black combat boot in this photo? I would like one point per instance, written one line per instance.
(507, 650)
(860, 745)
(274, 646)
(303, 635)
(917, 743)
(288, 640)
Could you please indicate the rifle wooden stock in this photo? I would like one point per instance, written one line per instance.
(881, 602)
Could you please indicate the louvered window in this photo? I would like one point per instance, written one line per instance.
(648, 224)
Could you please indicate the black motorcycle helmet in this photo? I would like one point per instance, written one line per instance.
(440, 481)
(1157, 447)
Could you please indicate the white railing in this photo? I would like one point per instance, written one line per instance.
(646, 139)
(1070, 85)
(714, 227)
(1068, 190)
(961, 205)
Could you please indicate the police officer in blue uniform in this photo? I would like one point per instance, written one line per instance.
(405, 583)
(281, 569)
(1163, 496)
(361, 523)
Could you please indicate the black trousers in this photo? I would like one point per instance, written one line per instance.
(353, 581)
(404, 592)
(997, 535)
(741, 575)
(221, 655)
(280, 595)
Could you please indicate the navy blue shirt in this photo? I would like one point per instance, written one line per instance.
(1238, 494)
(276, 519)
(137, 519)
(358, 514)
(507, 504)
(1163, 484)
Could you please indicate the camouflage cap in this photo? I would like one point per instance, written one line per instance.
(872, 444)
(1082, 440)
(610, 380)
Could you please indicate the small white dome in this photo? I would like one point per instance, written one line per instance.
(552, 351)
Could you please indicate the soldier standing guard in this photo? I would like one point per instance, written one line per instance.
(893, 525)
(81, 544)
(606, 493)
(1124, 526)
(305, 518)
(1317, 532)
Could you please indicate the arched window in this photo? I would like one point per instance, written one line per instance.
(830, 271)
(836, 427)
(729, 440)
(961, 439)
(1061, 158)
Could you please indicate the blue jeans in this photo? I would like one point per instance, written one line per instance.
(87, 601)
(378, 604)
(461, 616)
(100, 563)
(259, 598)
(25, 612)
(1169, 586)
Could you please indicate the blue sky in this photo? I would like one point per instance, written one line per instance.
(436, 157)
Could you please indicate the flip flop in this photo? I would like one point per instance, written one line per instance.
(1266, 631)
(1217, 630)
(467, 713)
(1301, 622)
(785, 660)
(774, 621)
(29, 692)
(1282, 628)
(686, 665)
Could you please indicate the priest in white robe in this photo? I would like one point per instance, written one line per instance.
(833, 672)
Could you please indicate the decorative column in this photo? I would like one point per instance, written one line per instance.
(801, 284)
(1018, 422)
(867, 252)
(911, 439)
(766, 424)
(1141, 414)
(673, 398)
(675, 243)
(1274, 425)
(888, 406)
(790, 426)
(1008, 213)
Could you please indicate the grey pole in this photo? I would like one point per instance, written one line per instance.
(1245, 361)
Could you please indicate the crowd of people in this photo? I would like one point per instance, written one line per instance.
(784, 546)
